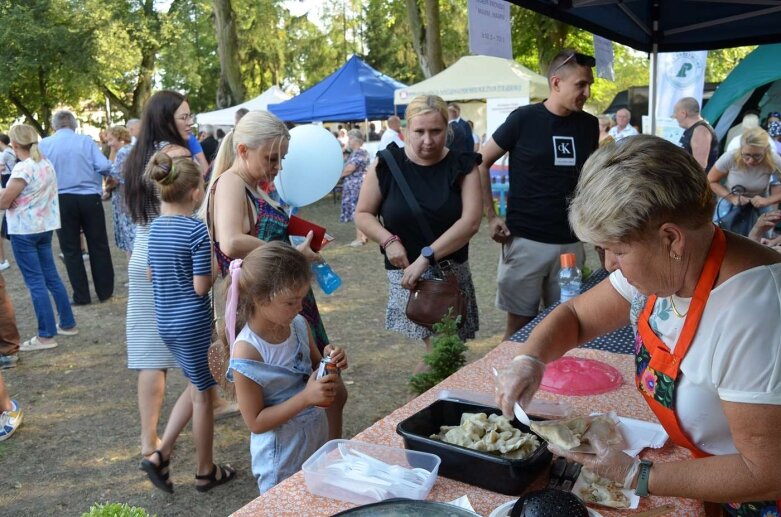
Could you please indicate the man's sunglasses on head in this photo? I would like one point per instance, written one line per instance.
(580, 59)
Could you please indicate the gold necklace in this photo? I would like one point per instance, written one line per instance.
(672, 302)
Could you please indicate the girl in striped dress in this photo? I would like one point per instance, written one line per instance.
(179, 260)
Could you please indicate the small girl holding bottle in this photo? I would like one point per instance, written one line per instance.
(179, 262)
(274, 361)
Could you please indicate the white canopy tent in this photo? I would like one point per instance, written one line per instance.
(225, 117)
(479, 78)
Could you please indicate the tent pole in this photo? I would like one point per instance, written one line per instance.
(366, 130)
(652, 86)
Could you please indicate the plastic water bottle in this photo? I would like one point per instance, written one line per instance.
(326, 278)
(570, 277)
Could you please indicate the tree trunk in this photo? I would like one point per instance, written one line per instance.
(433, 38)
(146, 71)
(425, 38)
(28, 113)
(46, 106)
(230, 90)
(551, 38)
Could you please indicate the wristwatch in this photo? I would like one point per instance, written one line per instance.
(428, 253)
(642, 478)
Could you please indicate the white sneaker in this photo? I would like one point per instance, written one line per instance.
(67, 332)
(35, 344)
(4, 265)
(10, 421)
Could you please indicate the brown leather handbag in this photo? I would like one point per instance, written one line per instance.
(431, 299)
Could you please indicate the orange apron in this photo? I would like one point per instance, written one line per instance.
(657, 368)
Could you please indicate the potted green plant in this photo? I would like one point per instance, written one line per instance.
(447, 355)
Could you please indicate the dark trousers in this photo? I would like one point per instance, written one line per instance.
(85, 212)
(9, 335)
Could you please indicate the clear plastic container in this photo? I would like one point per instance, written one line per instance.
(331, 483)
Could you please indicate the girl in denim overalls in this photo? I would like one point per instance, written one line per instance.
(272, 362)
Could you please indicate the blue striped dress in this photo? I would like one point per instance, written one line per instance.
(179, 249)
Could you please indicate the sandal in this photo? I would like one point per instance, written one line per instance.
(156, 474)
(227, 473)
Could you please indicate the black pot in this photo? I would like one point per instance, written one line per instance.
(407, 507)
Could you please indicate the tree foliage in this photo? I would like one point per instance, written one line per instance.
(83, 53)
(44, 63)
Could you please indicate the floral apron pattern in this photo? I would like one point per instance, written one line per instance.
(658, 368)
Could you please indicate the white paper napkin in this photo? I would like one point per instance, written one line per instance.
(462, 502)
(639, 434)
(634, 499)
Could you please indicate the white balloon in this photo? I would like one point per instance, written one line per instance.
(311, 167)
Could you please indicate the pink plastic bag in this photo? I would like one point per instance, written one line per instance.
(578, 376)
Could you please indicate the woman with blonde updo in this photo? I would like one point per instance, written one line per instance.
(605, 123)
(447, 187)
(33, 213)
(749, 176)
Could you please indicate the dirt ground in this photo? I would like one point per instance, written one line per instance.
(79, 444)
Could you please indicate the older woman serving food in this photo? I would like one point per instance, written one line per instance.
(705, 307)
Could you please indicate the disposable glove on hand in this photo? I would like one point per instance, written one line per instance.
(610, 463)
(518, 382)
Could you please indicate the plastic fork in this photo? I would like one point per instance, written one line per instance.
(412, 475)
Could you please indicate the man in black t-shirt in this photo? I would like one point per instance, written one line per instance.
(548, 143)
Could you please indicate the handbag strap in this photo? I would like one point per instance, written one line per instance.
(408, 195)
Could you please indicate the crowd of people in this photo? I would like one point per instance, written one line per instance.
(211, 265)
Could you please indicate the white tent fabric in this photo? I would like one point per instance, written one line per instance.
(225, 117)
(479, 77)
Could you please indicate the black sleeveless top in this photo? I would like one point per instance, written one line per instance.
(686, 142)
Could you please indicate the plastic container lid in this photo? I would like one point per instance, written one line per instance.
(568, 260)
(578, 376)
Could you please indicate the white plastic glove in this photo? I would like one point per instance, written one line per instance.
(518, 382)
(610, 463)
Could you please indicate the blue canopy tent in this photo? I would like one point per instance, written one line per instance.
(354, 92)
(757, 76)
(669, 25)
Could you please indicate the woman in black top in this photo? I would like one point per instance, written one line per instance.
(447, 187)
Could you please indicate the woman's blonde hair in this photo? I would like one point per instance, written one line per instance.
(755, 137)
(27, 138)
(635, 185)
(253, 130)
(605, 120)
(176, 177)
(120, 133)
(271, 269)
(424, 104)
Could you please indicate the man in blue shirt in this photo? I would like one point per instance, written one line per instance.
(80, 167)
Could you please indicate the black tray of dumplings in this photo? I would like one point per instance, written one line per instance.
(482, 469)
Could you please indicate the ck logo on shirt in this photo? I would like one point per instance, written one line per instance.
(564, 151)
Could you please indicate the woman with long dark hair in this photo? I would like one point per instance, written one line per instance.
(165, 126)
